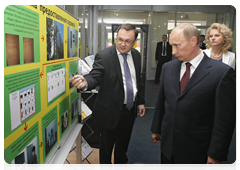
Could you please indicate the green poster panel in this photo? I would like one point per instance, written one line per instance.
(24, 150)
(74, 105)
(49, 132)
(73, 69)
(64, 116)
(21, 99)
(21, 36)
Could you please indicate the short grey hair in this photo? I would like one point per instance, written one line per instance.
(189, 31)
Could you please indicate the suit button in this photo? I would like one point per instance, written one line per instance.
(176, 114)
(120, 109)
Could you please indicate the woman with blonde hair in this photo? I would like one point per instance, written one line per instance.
(219, 38)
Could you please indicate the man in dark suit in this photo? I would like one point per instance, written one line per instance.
(195, 112)
(202, 44)
(163, 54)
(117, 71)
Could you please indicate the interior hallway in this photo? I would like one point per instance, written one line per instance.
(141, 149)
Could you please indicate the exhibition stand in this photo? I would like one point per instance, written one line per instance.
(41, 107)
(43, 112)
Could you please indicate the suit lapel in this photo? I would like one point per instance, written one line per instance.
(161, 48)
(135, 65)
(176, 75)
(199, 74)
(116, 63)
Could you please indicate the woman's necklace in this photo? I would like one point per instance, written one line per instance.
(217, 56)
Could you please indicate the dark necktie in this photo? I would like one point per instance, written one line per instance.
(164, 48)
(185, 77)
(129, 84)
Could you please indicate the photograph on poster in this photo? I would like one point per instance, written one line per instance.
(64, 119)
(56, 83)
(55, 40)
(74, 107)
(12, 49)
(22, 105)
(28, 155)
(28, 49)
(50, 136)
(72, 42)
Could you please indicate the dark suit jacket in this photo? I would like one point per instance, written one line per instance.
(236, 64)
(158, 53)
(201, 120)
(203, 46)
(106, 74)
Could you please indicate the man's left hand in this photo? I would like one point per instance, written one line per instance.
(141, 110)
(213, 161)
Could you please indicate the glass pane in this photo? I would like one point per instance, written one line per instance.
(159, 28)
(80, 17)
(227, 19)
(121, 17)
(70, 9)
(86, 30)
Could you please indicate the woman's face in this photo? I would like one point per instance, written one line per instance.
(216, 38)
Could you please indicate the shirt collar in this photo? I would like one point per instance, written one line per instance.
(195, 62)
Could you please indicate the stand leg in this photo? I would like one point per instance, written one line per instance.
(79, 149)
(70, 164)
(88, 161)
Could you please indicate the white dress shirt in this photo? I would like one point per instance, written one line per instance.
(132, 71)
(195, 62)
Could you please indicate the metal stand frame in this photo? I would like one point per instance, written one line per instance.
(78, 140)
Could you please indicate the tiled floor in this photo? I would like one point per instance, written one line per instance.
(93, 158)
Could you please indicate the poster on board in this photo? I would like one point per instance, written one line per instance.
(40, 42)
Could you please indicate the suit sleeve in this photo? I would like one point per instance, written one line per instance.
(140, 94)
(159, 107)
(203, 46)
(95, 76)
(225, 116)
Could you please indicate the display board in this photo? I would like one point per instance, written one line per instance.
(40, 105)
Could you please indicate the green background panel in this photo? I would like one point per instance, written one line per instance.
(16, 82)
(18, 145)
(49, 122)
(23, 22)
(63, 107)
